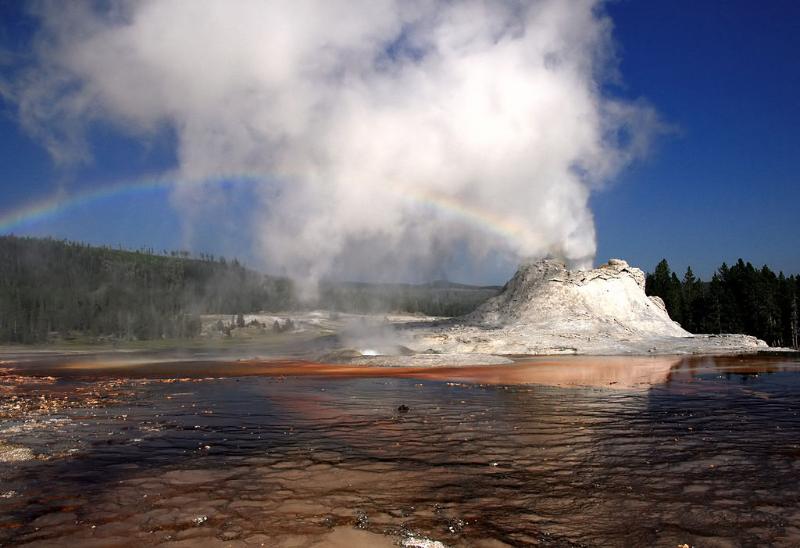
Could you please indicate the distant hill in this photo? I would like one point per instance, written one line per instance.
(440, 298)
(57, 288)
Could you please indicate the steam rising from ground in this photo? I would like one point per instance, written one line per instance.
(384, 134)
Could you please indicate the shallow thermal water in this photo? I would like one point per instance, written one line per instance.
(704, 452)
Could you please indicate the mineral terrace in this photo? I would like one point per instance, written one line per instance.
(548, 309)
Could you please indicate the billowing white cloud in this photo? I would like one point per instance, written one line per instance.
(386, 134)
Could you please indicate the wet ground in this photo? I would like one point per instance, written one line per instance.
(574, 451)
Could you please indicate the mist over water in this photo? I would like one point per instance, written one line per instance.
(385, 138)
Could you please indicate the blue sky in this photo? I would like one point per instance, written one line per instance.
(723, 184)
(726, 184)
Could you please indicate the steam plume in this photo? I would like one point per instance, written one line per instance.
(385, 134)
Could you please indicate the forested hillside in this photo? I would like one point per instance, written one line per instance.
(51, 288)
(737, 299)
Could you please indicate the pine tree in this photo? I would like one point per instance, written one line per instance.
(658, 283)
(674, 300)
(689, 291)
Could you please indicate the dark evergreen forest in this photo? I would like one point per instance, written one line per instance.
(57, 289)
(737, 299)
(50, 287)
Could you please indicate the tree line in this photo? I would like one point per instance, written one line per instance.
(738, 299)
(59, 289)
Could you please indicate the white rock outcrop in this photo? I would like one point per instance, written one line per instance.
(548, 309)
(547, 295)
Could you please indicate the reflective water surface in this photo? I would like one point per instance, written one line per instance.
(596, 452)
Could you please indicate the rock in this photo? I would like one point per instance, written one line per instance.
(15, 453)
(610, 298)
(403, 409)
(415, 542)
(200, 520)
(622, 266)
(659, 302)
(362, 520)
(545, 308)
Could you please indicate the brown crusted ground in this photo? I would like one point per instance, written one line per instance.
(112, 376)
(23, 395)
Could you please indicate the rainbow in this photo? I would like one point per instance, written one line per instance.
(503, 226)
(59, 203)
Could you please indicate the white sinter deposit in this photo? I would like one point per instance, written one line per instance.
(548, 309)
